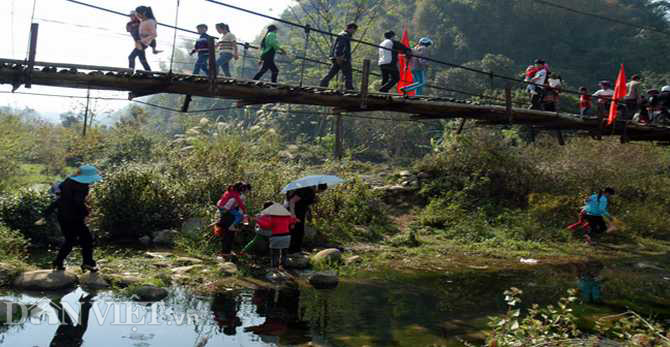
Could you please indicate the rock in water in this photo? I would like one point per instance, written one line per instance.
(330, 255)
(165, 238)
(353, 260)
(228, 269)
(45, 280)
(150, 293)
(93, 280)
(297, 261)
(324, 280)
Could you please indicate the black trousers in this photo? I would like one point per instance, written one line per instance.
(268, 64)
(278, 257)
(390, 76)
(227, 241)
(76, 233)
(345, 67)
(297, 235)
(138, 53)
(597, 224)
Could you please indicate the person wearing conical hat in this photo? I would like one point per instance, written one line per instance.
(72, 213)
(278, 219)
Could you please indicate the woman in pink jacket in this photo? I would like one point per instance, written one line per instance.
(147, 33)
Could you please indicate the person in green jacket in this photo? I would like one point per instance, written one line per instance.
(269, 48)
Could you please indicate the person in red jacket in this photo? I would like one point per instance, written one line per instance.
(278, 219)
(232, 211)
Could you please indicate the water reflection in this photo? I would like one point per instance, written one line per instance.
(279, 307)
(70, 332)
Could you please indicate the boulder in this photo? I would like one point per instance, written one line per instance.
(45, 280)
(93, 280)
(150, 293)
(165, 238)
(330, 255)
(228, 269)
(356, 259)
(324, 280)
(424, 175)
(297, 261)
(405, 173)
(10, 311)
(123, 281)
(184, 261)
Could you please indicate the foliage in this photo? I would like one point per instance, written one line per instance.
(21, 209)
(557, 326)
(13, 245)
(135, 200)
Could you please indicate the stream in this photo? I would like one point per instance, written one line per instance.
(386, 308)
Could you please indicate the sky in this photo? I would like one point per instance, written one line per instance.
(72, 33)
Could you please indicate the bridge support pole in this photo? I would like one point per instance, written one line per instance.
(243, 70)
(34, 27)
(338, 136)
(365, 82)
(213, 69)
(88, 100)
(187, 102)
(461, 126)
(508, 101)
(559, 136)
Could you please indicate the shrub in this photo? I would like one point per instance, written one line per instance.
(21, 209)
(133, 201)
(13, 245)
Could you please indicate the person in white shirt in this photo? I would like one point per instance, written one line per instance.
(227, 48)
(388, 60)
(604, 95)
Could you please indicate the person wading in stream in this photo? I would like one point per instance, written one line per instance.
(72, 213)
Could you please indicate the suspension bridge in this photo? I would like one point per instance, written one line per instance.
(30, 72)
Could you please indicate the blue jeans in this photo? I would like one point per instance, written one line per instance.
(236, 213)
(224, 63)
(419, 77)
(201, 64)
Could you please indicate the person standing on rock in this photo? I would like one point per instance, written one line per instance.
(278, 219)
(299, 202)
(72, 213)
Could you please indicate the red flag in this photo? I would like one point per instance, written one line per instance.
(620, 91)
(403, 62)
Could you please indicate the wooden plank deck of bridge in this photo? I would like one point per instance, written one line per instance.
(256, 92)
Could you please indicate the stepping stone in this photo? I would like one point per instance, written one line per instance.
(150, 293)
(297, 262)
(228, 269)
(182, 261)
(45, 280)
(93, 280)
(324, 280)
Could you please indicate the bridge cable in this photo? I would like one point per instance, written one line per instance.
(174, 37)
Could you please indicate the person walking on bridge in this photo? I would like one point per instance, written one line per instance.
(227, 48)
(202, 48)
(147, 34)
(388, 60)
(269, 48)
(418, 65)
(340, 55)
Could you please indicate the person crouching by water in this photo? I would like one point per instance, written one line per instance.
(278, 219)
(232, 210)
(596, 211)
(72, 213)
(299, 203)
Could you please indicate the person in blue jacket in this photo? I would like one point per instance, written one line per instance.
(596, 209)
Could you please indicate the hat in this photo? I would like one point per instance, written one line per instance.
(276, 210)
(665, 89)
(389, 34)
(539, 61)
(605, 83)
(424, 41)
(87, 174)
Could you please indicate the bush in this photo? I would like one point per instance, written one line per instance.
(20, 210)
(133, 201)
(13, 245)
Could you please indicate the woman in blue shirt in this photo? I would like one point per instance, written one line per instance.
(596, 210)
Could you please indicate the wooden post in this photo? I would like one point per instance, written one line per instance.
(338, 136)
(187, 102)
(34, 27)
(559, 135)
(624, 136)
(88, 100)
(460, 127)
(244, 60)
(365, 81)
(508, 100)
(213, 69)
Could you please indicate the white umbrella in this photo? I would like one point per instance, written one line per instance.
(312, 181)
